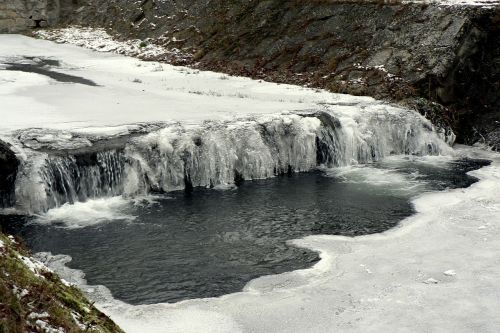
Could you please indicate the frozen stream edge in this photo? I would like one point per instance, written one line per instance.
(377, 283)
(437, 272)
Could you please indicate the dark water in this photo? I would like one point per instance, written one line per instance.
(210, 242)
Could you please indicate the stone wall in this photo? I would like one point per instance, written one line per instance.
(22, 15)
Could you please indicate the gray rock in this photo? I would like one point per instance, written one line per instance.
(8, 171)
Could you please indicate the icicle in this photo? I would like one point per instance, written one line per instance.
(224, 153)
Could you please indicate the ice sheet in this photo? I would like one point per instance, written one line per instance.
(132, 91)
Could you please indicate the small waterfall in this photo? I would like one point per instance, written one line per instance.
(225, 153)
(221, 153)
(217, 154)
(51, 181)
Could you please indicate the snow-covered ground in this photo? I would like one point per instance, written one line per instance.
(131, 91)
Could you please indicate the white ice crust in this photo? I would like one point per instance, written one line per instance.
(132, 91)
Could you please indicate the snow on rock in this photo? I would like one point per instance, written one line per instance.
(38, 319)
(78, 320)
(450, 272)
(35, 315)
(20, 293)
(47, 328)
(34, 265)
(98, 39)
(474, 3)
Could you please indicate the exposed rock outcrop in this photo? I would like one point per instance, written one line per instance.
(8, 171)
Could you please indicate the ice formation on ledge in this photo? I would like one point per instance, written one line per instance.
(218, 153)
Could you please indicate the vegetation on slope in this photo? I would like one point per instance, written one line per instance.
(34, 299)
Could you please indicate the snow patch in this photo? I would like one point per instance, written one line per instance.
(34, 265)
(20, 293)
(472, 3)
(98, 39)
(34, 315)
(450, 272)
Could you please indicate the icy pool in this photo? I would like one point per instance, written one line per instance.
(212, 242)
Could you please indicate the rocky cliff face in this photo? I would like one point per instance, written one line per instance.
(442, 60)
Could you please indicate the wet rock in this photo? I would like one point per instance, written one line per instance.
(8, 171)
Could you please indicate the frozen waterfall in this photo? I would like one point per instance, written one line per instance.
(216, 154)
